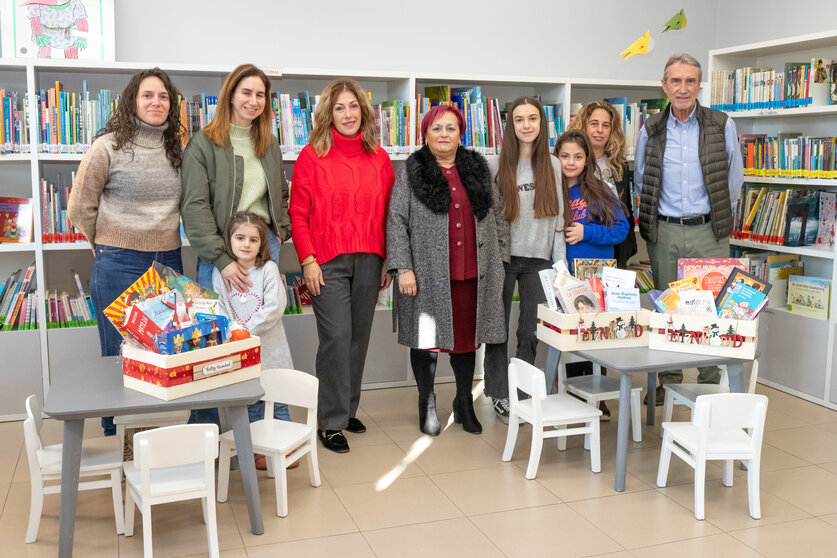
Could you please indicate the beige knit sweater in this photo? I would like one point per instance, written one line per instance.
(128, 200)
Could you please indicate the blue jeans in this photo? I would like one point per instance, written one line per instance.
(256, 410)
(114, 270)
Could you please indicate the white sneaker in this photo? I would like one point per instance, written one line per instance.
(501, 408)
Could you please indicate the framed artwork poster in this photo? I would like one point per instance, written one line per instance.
(58, 29)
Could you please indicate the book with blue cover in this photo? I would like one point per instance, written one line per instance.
(742, 302)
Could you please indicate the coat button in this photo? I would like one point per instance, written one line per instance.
(459, 225)
(459, 243)
(456, 206)
(453, 189)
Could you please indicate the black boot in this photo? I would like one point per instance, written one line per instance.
(463, 413)
(428, 421)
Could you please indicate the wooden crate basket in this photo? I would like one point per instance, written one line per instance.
(704, 335)
(603, 330)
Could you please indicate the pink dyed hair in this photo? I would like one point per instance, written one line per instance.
(436, 112)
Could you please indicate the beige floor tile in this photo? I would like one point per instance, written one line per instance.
(444, 455)
(92, 539)
(644, 465)
(366, 464)
(234, 553)
(9, 461)
(312, 512)
(814, 444)
(373, 436)
(642, 519)
(810, 488)
(620, 554)
(830, 519)
(829, 466)
(404, 502)
(499, 488)
(728, 507)
(775, 459)
(808, 537)
(178, 530)
(778, 420)
(451, 538)
(402, 428)
(92, 504)
(389, 401)
(713, 545)
(526, 533)
(803, 410)
(344, 546)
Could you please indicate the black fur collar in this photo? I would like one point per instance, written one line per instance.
(431, 188)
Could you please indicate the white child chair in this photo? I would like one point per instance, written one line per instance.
(716, 432)
(282, 442)
(171, 464)
(99, 457)
(687, 394)
(543, 411)
(147, 420)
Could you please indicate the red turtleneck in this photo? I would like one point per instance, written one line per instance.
(339, 202)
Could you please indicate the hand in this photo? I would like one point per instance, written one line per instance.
(313, 277)
(574, 233)
(235, 277)
(81, 44)
(386, 279)
(42, 40)
(407, 283)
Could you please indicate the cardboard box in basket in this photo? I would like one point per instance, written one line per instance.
(704, 335)
(173, 376)
(603, 330)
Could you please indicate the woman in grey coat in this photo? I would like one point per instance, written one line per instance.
(442, 244)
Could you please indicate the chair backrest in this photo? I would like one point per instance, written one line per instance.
(731, 410)
(292, 387)
(170, 446)
(32, 435)
(526, 378)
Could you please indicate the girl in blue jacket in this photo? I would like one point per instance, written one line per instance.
(596, 215)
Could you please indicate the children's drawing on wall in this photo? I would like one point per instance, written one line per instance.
(68, 29)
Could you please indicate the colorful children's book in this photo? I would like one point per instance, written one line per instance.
(585, 268)
(742, 302)
(577, 298)
(15, 219)
(697, 303)
(737, 276)
(711, 272)
(149, 285)
(828, 216)
(622, 299)
(615, 277)
(809, 296)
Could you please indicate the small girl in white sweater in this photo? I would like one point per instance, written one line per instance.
(261, 307)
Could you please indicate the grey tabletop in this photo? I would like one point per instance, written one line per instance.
(643, 359)
(87, 387)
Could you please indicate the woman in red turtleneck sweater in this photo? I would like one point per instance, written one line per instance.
(340, 195)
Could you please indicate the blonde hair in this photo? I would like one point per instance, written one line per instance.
(320, 138)
(615, 151)
(262, 130)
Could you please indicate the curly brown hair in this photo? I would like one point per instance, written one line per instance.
(123, 123)
(615, 150)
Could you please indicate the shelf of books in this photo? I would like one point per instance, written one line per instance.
(783, 97)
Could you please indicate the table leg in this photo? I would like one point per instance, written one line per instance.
(622, 432)
(70, 465)
(244, 447)
(652, 398)
(735, 373)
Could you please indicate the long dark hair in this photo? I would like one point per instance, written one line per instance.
(602, 203)
(247, 218)
(546, 191)
(123, 123)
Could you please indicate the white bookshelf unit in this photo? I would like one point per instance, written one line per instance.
(797, 352)
(33, 356)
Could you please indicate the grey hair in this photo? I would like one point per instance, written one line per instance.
(685, 59)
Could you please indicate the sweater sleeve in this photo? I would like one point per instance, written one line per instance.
(274, 300)
(91, 180)
(301, 204)
(399, 251)
(196, 209)
(602, 235)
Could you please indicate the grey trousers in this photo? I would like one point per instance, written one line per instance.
(344, 310)
(673, 242)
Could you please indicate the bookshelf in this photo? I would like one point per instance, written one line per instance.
(36, 354)
(798, 352)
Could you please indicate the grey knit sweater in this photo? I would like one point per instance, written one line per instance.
(128, 200)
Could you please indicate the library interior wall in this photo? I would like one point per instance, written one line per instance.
(555, 38)
(745, 21)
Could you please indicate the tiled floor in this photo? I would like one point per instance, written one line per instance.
(399, 494)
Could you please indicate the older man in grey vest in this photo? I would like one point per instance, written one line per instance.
(689, 172)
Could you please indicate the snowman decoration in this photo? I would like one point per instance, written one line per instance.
(620, 328)
(714, 337)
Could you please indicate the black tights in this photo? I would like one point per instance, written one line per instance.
(424, 370)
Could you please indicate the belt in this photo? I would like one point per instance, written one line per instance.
(685, 221)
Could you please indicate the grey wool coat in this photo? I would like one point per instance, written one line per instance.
(417, 239)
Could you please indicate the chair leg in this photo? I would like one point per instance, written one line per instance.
(668, 407)
(212, 528)
(700, 482)
(313, 463)
(269, 459)
(665, 460)
(727, 479)
(636, 409)
(281, 480)
(146, 531)
(535, 452)
(36, 507)
(120, 435)
(595, 447)
(224, 459)
(511, 436)
(129, 512)
(203, 510)
(116, 486)
(753, 467)
(560, 441)
(593, 402)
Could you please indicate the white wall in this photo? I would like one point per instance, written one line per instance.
(750, 21)
(499, 37)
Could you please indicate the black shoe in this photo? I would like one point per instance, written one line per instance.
(463, 413)
(660, 396)
(355, 426)
(605, 412)
(428, 421)
(334, 440)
